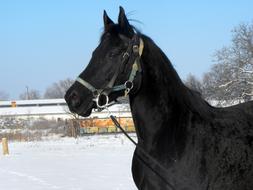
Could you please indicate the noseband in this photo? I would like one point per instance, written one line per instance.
(101, 96)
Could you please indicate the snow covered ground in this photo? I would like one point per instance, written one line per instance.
(89, 163)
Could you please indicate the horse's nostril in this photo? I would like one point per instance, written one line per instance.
(74, 99)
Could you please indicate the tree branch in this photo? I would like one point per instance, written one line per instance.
(247, 94)
(243, 70)
(226, 84)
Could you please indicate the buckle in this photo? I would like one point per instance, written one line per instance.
(126, 54)
(135, 49)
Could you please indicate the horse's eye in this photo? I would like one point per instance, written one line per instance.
(112, 54)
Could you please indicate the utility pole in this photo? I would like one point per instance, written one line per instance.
(27, 93)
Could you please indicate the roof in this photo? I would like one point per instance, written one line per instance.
(32, 102)
(50, 107)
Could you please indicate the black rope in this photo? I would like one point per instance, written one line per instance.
(146, 154)
(122, 130)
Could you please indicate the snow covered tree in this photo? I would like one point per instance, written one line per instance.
(232, 75)
(58, 89)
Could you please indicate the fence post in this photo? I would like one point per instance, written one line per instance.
(5, 146)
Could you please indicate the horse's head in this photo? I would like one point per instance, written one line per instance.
(113, 70)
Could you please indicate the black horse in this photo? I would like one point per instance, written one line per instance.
(198, 147)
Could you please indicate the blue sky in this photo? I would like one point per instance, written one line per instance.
(44, 41)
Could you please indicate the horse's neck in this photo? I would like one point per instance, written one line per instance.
(159, 106)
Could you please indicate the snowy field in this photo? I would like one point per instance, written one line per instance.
(89, 163)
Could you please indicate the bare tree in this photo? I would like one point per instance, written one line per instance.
(193, 83)
(58, 89)
(30, 94)
(3, 95)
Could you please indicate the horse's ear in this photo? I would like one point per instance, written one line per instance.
(107, 21)
(124, 24)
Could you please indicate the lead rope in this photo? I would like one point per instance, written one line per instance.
(146, 162)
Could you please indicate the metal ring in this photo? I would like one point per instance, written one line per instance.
(106, 101)
(127, 83)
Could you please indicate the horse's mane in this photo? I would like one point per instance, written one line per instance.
(164, 70)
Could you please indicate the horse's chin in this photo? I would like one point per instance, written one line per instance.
(86, 114)
(85, 111)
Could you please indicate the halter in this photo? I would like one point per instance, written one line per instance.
(101, 96)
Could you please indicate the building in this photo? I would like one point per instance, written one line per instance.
(52, 109)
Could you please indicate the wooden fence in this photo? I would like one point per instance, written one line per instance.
(105, 125)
